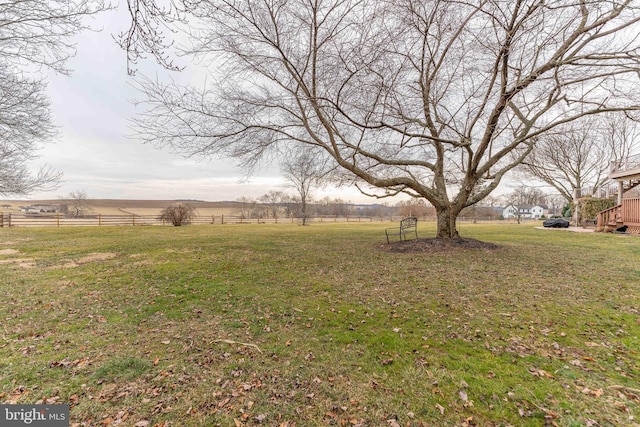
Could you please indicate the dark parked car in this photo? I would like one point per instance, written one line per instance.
(556, 223)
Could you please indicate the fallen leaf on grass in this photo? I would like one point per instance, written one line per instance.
(468, 422)
(620, 406)
(595, 393)
(463, 395)
(16, 395)
(142, 423)
(549, 415)
(540, 373)
(393, 422)
(440, 408)
(47, 400)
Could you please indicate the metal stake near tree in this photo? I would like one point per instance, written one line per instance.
(438, 99)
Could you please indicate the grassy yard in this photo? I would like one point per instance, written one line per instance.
(283, 325)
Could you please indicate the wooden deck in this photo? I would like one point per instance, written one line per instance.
(627, 212)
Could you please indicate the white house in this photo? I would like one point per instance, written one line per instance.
(525, 211)
(538, 212)
(40, 208)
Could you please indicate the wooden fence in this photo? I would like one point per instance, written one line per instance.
(61, 220)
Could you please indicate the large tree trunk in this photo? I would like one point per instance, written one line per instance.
(447, 216)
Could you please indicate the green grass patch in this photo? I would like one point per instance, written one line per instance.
(122, 368)
(276, 324)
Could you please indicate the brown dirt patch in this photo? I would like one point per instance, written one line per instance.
(9, 251)
(20, 262)
(437, 245)
(95, 257)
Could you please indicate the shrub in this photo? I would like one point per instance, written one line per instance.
(179, 214)
(590, 206)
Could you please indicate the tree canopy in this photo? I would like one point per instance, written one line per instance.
(575, 158)
(436, 99)
(34, 34)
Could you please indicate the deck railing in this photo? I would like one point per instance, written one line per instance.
(608, 217)
(631, 212)
(628, 213)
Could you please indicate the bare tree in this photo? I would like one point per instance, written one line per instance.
(304, 170)
(435, 99)
(246, 207)
(178, 214)
(523, 198)
(556, 202)
(575, 158)
(25, 122)
(78, 203)
(329, 206)
(529, 195)
(273, 202)
(414, 207)
(34, 34)
(145, 35)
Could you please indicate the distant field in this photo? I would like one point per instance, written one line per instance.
(284, 325)
(120, 206)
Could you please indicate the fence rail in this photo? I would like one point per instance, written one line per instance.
(61, 220)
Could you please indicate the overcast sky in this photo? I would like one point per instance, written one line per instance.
(92, 108)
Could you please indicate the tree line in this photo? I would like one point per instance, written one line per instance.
(438, 100)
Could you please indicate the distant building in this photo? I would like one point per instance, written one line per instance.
(40, 208)
(525, 211)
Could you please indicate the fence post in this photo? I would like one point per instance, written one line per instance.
(222, 219)
(9, 219)
(99, 220)
(1, 219)
(58, 219)
(133, 219)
